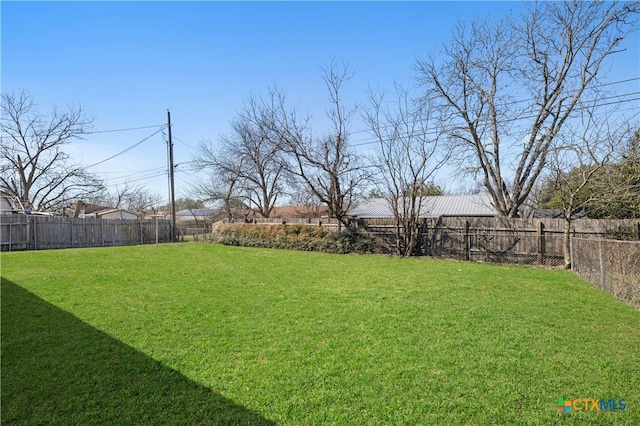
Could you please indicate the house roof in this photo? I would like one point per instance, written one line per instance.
(93, 208)
(289, 212)
(432, 206)
(197, 212)
(10, 204)
(114, 210)
(109, 211)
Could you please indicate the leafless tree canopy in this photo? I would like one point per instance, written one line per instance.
(136, 199)
(33, 165)
(249, 162)
(408, 155)
(327, 165)
(221, 182)
(582, 165)
(506, 89)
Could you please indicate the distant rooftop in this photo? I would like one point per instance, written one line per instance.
(432, 206)
(197, 212)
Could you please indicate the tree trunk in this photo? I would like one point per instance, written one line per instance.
(566, 244)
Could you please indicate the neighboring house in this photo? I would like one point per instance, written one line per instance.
(85, 210)
(432, 207)
(281, 212)
(10, 205)
(302, 212)
(195, 215)
(292, 212)
(112, 214)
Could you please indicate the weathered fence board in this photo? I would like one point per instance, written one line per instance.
(578, 226)
(530, 241)
(21, 232)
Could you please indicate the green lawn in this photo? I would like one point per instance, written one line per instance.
(206, 334)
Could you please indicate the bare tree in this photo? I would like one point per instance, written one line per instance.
(301, 196)
(582, 167)
(220, 186)
(136, 199)
(551, 57)
(249, 159)
(407, 159)
(328, 166)
(33, 165)
(257, 147)
(223, 181)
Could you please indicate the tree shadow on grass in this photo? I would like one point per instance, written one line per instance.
(57, 369)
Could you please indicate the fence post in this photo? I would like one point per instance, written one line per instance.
(571, 259)
(102, 231)
(27, 237)
(601, 263)
(466, 241)
(10, 232)
(9, 239)
(541, 242)
(35, 234)
(141, 232)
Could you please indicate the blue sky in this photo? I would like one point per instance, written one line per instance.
(126, 63)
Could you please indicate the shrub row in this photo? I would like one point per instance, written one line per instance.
(296, 237)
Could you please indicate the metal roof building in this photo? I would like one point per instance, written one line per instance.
(432, 206)
(195, 214)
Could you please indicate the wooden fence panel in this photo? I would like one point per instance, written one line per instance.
(22, 232)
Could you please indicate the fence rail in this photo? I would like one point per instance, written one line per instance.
(21, 232)
(522, 247)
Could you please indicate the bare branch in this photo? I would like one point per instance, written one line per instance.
(34, 166)
(553, 55)
(408, 157)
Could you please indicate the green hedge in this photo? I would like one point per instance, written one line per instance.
(296, 237)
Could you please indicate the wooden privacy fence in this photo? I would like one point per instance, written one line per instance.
(579, 227)
(484, 245)
(524, 241)
(22, 232)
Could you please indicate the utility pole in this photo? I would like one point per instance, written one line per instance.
(171, 184)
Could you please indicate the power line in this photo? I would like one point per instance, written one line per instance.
(121, 130)
(152, 176)
(133, 172)
(128, 149)
(141, 173)
(534, 99)
(184, 143)
(372, 141)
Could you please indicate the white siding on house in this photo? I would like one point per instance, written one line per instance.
(112, 214)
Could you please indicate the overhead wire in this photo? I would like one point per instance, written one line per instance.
(140, 179)
(533, 99)
(121, 130)
(128, 149)
(140, 173)
(162, 171)
(371, 141)
(183, 142)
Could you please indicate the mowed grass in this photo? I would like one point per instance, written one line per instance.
(206, 334)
